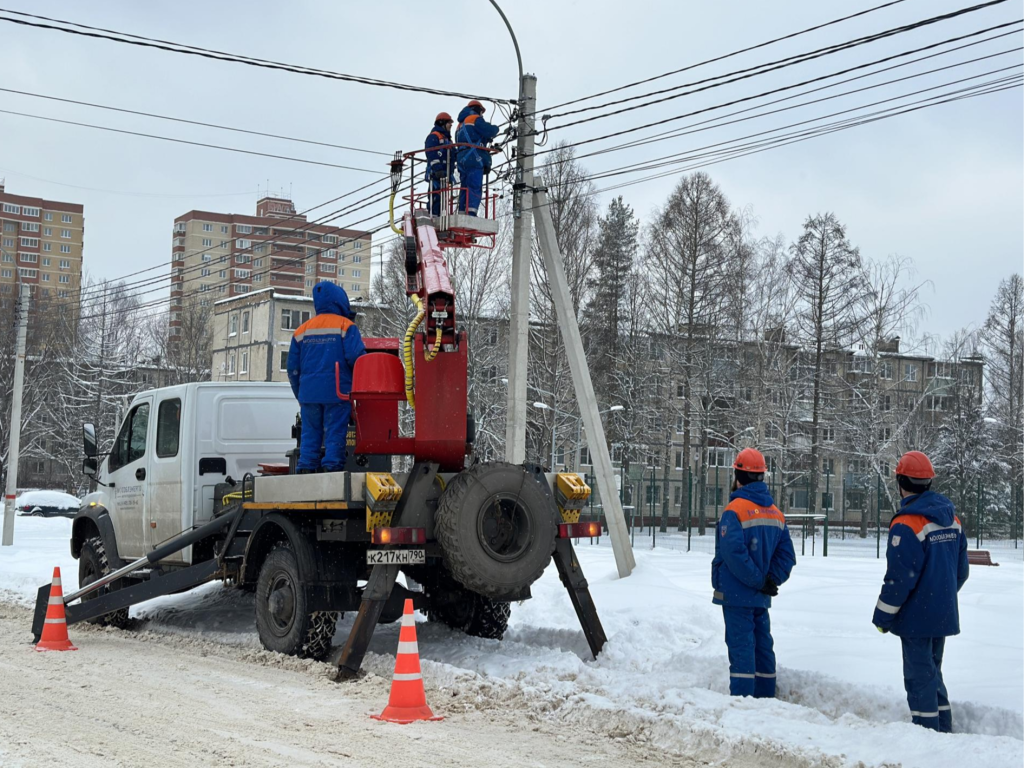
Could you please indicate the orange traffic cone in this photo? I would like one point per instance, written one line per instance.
(408, 701)
(55, 628)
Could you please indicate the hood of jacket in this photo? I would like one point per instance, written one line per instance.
(331, 299)
(932, 505)
(756, 493)
(466, 112)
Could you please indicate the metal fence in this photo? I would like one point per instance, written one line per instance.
(851, 518)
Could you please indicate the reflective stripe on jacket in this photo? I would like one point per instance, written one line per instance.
(752, 542)
(441, 161)
(926, 560)
(473, 129)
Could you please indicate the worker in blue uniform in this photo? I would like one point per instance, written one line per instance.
(753, 556)
(323, 352)
(440, 160)
(474, 160)
(926, 562)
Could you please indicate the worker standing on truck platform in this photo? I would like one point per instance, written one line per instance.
(474, 161)
(926, 566)
(440, 160)
(753, 556)
(323, 353)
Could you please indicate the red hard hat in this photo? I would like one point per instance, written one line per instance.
(478, 105)
(750, 460)
(443, 117)
(915, 464)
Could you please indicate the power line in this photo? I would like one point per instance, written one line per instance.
(675, 132)
(723, 57)
(774, 90)
(186, 141)
(760, 69)
(128, 38)
(196, 122)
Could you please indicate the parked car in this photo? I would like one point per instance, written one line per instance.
(47, 504)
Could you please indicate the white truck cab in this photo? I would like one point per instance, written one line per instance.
(175, 445)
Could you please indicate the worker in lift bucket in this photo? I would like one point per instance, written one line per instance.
(753, 557)
(926, 565)
(323, 353)
(440, 160)
(473, 159)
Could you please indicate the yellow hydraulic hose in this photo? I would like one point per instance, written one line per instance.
(431, 352)
(407, 345)
(391, 214)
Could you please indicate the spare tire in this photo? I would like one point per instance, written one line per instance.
(496, 527)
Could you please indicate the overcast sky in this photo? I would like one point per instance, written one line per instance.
(942, 186)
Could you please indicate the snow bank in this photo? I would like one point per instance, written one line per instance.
(663, 677)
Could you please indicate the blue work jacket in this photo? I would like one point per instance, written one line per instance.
(752, 543)
(440, 158)
(324, 349)
(926, 566)
(473, 129)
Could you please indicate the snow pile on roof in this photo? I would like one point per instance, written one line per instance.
(56, 499)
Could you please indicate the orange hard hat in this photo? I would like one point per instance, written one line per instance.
(750, 460)
(443, 117)
(478, 105)
(915, 464)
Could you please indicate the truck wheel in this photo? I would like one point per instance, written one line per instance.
(496, 528)
(473, 614)
(282, 621)
(93, 565)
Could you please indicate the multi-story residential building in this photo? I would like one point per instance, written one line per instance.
(253, 332)
(41, 245)
(221, 255)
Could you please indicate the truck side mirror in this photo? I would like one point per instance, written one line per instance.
(89, 466)
(89, 443)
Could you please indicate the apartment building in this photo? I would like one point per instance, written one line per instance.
(41, 245)
(253, 332)
(222, 255)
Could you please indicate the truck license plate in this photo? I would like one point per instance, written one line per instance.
(396, 557)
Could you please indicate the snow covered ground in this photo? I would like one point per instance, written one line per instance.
(662, 681)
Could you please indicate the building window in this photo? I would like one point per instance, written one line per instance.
(679, 459)
(29, 226)
(828, 434)
(65, 218)
(46, 277)
(207, 242)
(885, 434)
(283, 364)
(66, 234)
(64, 278)
(329, 268)
(47, 247)
(30, 242)
(7, 273)
(357, 273)
(936, 403)
(718, 457)
(231, 364)
(224, 229)
(244, 368)
(204, 272)
(30, 212)
(243, 258)
(28, 258)
(293, 318)
(179, 227)
(798, 499)
(243, 273)
(207, 258)
(911, 371)
(10, 208)
(827, 500)
(887, 402)
(243, 244)
(47, 232)
(243, 229)
(940, 370)
(207, 227)
(233, 325)
(245, 321)
(828, 466)
(48, 217)
(26, 272)
(9, 242)
(885, 369)
(65, 249)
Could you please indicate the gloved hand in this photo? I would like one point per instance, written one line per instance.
(770, 588)
(437, 172)
(882, 630)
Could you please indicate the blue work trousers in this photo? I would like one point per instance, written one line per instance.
(748, 636)
(436, 184)
(326, 426)
(472, 180)
(922, 677)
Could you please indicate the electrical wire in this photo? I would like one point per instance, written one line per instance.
(760, 69)
(128, 38)
(749, 48)
(774, 90)
(186, 141)
(195, 122)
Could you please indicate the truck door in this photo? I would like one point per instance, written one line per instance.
(164, 501)
(126, 469)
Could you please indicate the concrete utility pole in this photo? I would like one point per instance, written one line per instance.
(585, 396)
(14, 446)
(522, 240)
